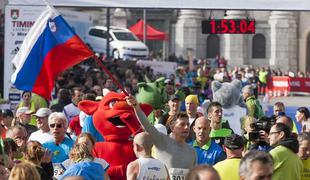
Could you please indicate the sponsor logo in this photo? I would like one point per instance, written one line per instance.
(18, 42)
(280, 83)
(14, 96)
(307, 83)
(21, 34)
(14, 14)
(154, 168)
(22, 24)
(15, 51)
(295, 83)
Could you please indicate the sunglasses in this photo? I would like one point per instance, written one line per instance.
(56, 125)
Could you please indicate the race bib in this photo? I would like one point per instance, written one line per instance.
(177, 173)
(58, 170)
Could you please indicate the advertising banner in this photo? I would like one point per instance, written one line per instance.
(282, 85)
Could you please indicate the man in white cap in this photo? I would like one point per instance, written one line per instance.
(43, 134)
(23, 117)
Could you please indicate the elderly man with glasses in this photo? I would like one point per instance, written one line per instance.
(61, 144)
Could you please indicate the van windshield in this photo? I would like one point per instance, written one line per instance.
(124, 36)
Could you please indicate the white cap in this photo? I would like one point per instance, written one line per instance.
(43, 112)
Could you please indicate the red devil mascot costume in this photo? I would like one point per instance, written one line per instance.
(117, 122)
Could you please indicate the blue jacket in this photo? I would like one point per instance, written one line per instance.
(88, 170)
(210, 153)
(90, 128)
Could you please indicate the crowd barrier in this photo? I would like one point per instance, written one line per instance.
(283, 85)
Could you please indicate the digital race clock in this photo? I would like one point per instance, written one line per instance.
(228, 26)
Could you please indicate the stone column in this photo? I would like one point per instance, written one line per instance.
(235, 45)
(188, 34)
(283, 40)
(120, 18)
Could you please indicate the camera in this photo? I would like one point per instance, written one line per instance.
(263, 124)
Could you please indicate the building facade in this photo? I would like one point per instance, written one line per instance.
(281, 40)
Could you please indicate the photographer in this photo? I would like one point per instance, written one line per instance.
(256, 133)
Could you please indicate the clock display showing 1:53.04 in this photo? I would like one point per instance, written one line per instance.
(228, 26)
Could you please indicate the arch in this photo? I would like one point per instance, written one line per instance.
(213, 46)
(258, 46)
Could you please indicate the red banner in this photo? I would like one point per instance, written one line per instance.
(283, 85)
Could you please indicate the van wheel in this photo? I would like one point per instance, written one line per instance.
(116, 54)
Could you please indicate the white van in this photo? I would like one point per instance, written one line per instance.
(123, 43)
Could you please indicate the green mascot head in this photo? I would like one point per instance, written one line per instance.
(152, 93)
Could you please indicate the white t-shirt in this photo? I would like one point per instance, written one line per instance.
(150, 168)
(40, 136)
(191, 120)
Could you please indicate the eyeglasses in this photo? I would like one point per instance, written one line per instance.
(56, 125)
(276, 132)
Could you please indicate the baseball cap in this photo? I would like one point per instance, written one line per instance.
(23, 110)
(174, 97)
(43, 112)
(234, 142)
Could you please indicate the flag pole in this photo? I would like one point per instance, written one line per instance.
(144, 26)
(99, 62)
(115, 81)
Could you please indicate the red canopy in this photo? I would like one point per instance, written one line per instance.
(151, 33)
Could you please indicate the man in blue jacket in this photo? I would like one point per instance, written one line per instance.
(208, 152)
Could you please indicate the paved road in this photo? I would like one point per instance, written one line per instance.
(291, 100)
(291, 104)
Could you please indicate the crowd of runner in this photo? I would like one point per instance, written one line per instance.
(46, 140)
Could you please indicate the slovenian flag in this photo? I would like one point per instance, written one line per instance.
(49, 48)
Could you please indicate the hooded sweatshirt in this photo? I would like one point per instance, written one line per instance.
(287, 165)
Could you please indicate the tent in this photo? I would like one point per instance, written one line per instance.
(151, 33)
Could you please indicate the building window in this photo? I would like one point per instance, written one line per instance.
(213, 46)
(259, 46)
